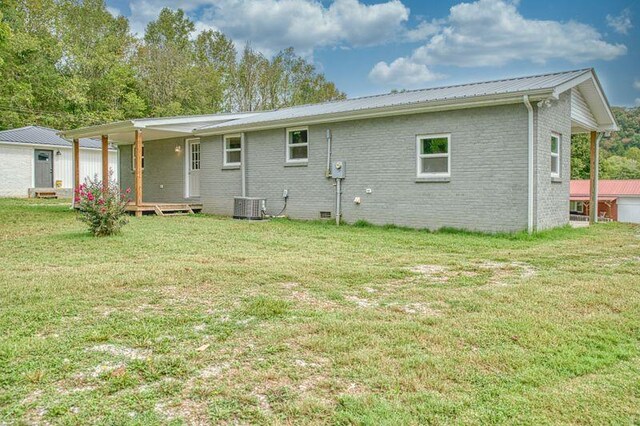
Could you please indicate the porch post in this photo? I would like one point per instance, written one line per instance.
(593, 207)
(105, 162)
(76, 168)
(137, 147)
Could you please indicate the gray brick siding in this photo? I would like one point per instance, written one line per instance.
(163, 167)
(551, 207)
(487, 190)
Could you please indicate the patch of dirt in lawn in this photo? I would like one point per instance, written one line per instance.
(122, 351)
(294, 292)
(417, 309)
(436, 273)
(503, 271)
(362, 303)
(191, 412)
(500, 272)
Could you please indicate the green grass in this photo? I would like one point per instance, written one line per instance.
(203, 319)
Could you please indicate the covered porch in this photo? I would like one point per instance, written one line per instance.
(173, 169)
(591, 114)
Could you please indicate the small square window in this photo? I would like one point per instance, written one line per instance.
(433, 155)
(297, 145)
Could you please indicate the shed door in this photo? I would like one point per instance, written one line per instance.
(194, 167)
(629, 210)
(43, 168)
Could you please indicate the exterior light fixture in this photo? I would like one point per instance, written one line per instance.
(58, 152)
(178, 149)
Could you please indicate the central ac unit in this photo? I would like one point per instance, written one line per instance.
(250, 208)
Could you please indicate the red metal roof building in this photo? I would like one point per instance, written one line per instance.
(617, 199)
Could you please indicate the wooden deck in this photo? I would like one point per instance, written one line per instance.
(164, 209)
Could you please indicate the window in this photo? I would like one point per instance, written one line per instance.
(576, 207)
(297, 145)
(133, 157)
(232, 150)
(433, 155)
(555, 155)
(194, 148)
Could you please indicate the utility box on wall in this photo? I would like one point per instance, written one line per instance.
(338, 169)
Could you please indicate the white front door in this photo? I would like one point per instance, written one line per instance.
(193, 160)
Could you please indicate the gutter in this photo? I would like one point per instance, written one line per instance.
(527, 103)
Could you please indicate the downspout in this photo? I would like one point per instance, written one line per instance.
(242, 165)
(596, 175)
(530, 164)
(327, 172)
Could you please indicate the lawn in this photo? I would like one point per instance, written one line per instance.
(202, 319)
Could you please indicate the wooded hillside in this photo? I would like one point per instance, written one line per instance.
(619, 154)
(69, 63)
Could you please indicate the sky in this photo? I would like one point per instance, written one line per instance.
(369, 47)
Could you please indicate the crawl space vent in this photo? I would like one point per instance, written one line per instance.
(325, 215)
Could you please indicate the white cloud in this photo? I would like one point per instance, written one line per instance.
(114, 11)
(494, 33)
(402, 73)
(423, 30)
(621, 23)
(272, 25)
(636, 84)
(307, 24)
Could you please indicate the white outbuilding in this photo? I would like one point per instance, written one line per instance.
(35, 159)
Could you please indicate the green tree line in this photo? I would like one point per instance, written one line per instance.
(70, 63)
(619, 153)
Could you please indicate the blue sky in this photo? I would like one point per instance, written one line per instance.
(369, 47)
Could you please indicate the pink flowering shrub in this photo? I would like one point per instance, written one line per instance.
(103, 210)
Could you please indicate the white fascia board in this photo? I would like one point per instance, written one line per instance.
(590, 75)
(99, 130)
(49, 146)
(195, 119)
(492, 100)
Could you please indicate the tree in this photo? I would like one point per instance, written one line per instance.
(172, 28)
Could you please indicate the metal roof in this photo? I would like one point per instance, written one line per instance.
(489, 89)
(153, 128)
(38, 135)
(581, 188)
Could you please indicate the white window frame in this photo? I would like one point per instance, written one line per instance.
(289, 145)
(189, 142)
(226, 150)
(133, 157)
(577, 203)
(420, 156)
(556, 154)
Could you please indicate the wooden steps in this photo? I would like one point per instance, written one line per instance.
(165, 209)
(46, 194)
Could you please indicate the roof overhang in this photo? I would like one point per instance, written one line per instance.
(589, 86)
(123, 132)
(431, 106)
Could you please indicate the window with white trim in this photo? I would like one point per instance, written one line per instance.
(297, 145)
(194, 149)
(576, 206)
(232, 150)
(555, 154)
(133, 157)
(434, 159)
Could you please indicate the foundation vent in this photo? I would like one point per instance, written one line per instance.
(325, 215)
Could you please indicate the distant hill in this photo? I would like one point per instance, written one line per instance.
(619, 154)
